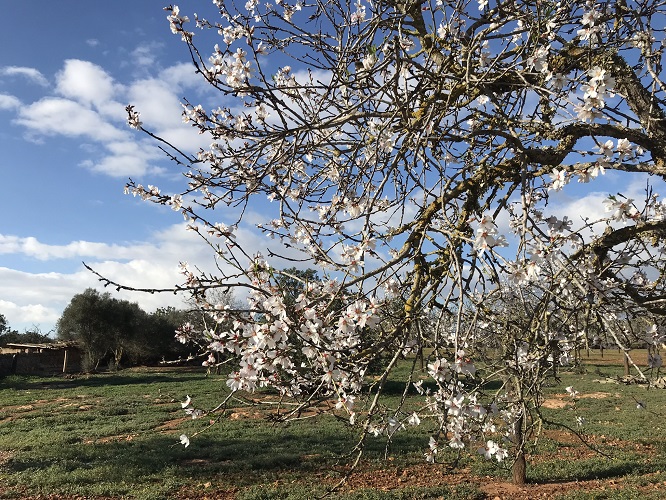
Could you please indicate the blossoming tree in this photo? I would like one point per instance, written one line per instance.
(415, 152)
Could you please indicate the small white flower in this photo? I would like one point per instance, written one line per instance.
(184, 440)
(571, 391)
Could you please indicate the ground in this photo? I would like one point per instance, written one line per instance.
(604, 402)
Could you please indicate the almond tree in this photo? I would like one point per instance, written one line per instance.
(415, 149)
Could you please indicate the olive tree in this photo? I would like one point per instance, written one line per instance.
(421, 150)
(104, 326)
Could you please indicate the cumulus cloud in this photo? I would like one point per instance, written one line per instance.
(31, 74)
(159, 105)
(183, 75)
(9, 102)
(32, 247)
(28, 316)
(85, 82)
(39, 298)
(57, 116)
(161, 109)
(127, 159)
(90, 104)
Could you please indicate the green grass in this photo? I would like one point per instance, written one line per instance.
(117, 435)
(104, 435)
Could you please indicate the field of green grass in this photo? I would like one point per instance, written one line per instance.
(116, 435)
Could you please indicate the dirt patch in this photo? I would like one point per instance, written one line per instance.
(493, 489)
(559, 401)
(112, 439)
(172, 426)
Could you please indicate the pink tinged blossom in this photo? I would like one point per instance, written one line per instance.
(560, 178)
(493, 450)
(558, 80)
(487, 236)
(439, 370)
(359, 15)
(431, 454)
(133, 118)
(590, 18)
(463, 364)
(456, 441)
(624, 148)
(621, 210)
(345, 401)
(606, 148)
(414, 419)
(234, 382)
(454, 405)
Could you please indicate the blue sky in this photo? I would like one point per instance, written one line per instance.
(67, 71)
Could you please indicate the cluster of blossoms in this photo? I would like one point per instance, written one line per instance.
(624, 150)
(176, 22)
(621, 210)
(235, 67)
(599, 86)
(263, 341)
(591, 29)
(462, 417)
(487, 236)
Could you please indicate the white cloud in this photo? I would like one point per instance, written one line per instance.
(31, 74)
(161, 109)
(85, 82)
(127, 159)
(57, 116)
(144, 54)
(183, 75)
(9, 102)
(39, 298)
(159, 106)
(92, 42)
(25, 317)
(32, 247)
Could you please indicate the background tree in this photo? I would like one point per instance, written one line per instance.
(103, 325)
(415, 149)
(10, 336)
(83, 321)
(4, 327)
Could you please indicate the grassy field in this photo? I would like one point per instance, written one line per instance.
(117, 436)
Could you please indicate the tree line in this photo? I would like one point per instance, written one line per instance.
(113, 332)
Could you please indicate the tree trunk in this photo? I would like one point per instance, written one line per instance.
(626, 364)
(519, 468)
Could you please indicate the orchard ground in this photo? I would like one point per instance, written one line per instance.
(116, 435)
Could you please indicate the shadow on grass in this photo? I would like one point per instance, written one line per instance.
(27, 382)
(593, 468)
(242, 454)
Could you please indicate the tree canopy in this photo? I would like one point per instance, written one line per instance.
(120, 331)
(425, 150)
(10, 336)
